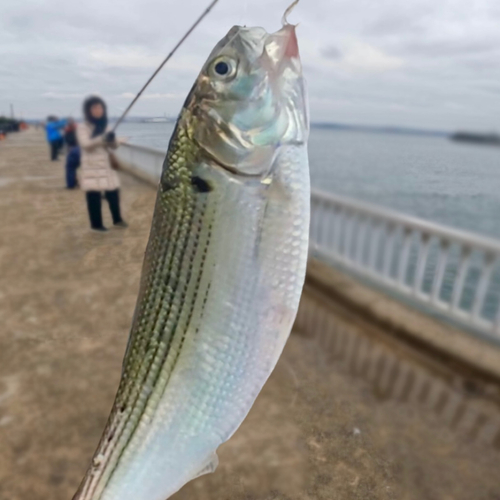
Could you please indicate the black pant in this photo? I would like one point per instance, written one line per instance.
(55, 147)
(94, 207)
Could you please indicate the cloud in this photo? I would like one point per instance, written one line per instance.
(331, 52)
(451, 47)
(419, 62)
(59, 95)
(364, 57)
(131, 95)
(358, 56)
(395, 23)
(134, 58)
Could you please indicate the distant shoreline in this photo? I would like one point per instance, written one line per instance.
(381, 129)
(492, 139)
(324, 125)
(486, 139)
(460, 136)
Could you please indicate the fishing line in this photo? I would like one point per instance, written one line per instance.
(179, 43)
(243, 16)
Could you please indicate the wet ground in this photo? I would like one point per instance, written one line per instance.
(339, 419)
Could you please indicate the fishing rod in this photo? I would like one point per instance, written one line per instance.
(179, 43)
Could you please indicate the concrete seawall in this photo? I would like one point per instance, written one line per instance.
(451, 346)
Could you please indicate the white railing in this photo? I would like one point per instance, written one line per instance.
(148, 160)
(453, 272)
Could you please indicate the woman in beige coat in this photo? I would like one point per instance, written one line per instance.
(96, 174)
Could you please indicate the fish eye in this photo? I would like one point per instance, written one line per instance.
(223, 68)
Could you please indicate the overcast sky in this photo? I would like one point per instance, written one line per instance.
(422, 63)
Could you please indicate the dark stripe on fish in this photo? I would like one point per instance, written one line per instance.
(201, 185)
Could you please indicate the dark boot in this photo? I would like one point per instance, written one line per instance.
(113, 198)
(94, 208)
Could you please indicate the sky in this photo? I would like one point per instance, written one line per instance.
(431, 64)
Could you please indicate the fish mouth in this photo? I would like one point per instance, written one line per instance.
(285, 72)
(278, 49)
(282, 49)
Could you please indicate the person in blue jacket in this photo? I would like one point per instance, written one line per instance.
(54, 136)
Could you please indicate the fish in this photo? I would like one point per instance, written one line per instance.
(223, 270)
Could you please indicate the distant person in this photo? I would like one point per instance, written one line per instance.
(96, 173)
(70, 133)
(73, 155)
(54, 138)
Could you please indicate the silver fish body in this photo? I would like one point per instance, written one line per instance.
(223, 271)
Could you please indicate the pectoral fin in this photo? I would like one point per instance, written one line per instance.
(209, 466)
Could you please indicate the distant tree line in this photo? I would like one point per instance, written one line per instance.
(9, 125)
(492, 138)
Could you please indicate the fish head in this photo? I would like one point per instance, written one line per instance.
(250, 99)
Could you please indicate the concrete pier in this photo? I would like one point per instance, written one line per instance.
(349, 413)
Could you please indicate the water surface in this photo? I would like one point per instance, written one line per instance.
(455, 184)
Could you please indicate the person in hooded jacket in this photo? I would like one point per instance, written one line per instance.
(96, 173)
(53, 128)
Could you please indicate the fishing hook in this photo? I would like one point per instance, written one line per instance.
(284, 20)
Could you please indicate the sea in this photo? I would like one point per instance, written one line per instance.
(452, 183)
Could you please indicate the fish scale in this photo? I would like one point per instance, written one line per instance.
(222, 275)
(159, 298)
(141, 393)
